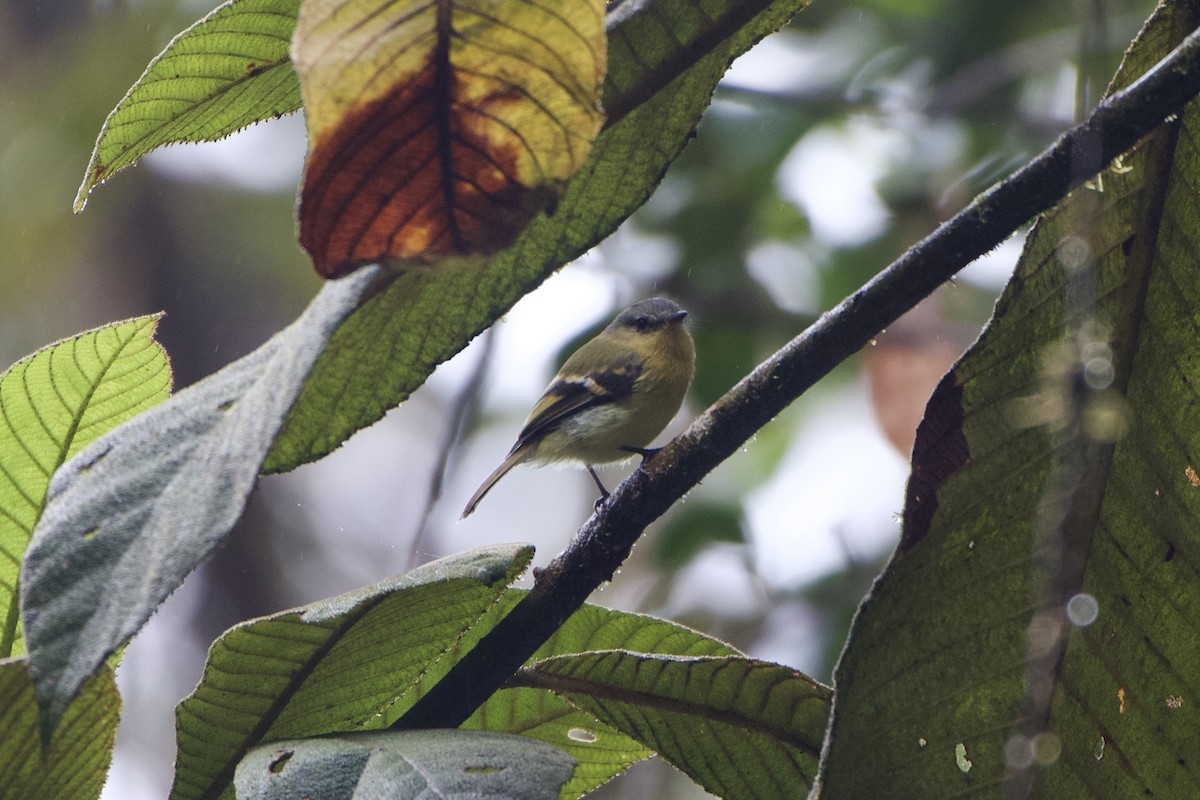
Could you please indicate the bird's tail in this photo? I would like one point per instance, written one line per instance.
(514, 458)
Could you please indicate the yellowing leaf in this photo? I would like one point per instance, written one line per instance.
(440, 128)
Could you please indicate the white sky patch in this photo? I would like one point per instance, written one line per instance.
(646, 257)
(789, 274)
(795, 61)
(784, 62)
(267, 157)
(836, 495)
(776, 64)
(715, 582)
(830, 175)
(992, 271)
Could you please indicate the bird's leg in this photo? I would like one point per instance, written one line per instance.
(599, 485)
(596, 480)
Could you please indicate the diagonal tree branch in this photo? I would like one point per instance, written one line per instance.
(606, 539)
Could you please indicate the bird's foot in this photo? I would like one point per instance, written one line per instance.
(645, 452)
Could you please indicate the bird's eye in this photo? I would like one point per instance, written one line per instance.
(642, 323)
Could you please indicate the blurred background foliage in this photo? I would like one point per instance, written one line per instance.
(829, 149)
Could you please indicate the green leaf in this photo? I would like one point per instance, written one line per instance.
(350, 663)
(601, 751)
(52, 403)
(738, 727)
(229, 70)
(74, 765)
(1016, 514)
(660, 81)
(439, 763)
(598, 628)
(129, 518)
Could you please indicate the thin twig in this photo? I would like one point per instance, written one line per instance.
(606, 538)
(465, 406)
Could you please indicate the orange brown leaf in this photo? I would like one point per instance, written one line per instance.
(438, 129)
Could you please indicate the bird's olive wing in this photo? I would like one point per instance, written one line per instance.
(568, 396)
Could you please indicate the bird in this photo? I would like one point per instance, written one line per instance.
(611, 397)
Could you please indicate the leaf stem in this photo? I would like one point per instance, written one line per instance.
(8, 630)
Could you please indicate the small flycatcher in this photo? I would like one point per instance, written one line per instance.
(611, 398)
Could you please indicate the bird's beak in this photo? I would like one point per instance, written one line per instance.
(679, 315)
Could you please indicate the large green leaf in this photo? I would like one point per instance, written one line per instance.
(740, 728)
(454, 765)
(137, 511)
(345, 664)
(172, 483)
(52, 403)
(1037, 632)
(74, 764)
(229, 70)
(601, 751)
